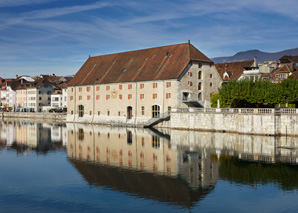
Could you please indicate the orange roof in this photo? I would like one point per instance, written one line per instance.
(234, 69)
(167, 62)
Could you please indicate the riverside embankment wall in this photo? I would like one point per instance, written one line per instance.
(40, 116)
(244, 121)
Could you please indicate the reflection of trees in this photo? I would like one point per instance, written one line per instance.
(250, 173)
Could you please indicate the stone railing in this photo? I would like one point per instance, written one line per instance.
(239, 110)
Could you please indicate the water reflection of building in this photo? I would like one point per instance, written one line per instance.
(120, 158)
(26, 135)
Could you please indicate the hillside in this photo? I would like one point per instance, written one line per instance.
(250, 54)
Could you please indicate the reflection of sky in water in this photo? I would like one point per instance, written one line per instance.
(48, 181)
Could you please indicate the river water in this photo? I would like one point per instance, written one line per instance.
(50, 167)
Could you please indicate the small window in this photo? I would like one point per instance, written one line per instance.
(189, 74)
(97, 97)
(210, 75)
(120, 97)
(129, 96)
(120, 87)
(168, 84)
(155, 96)
(90, 113)
(119, 113)
(143, 110)
(141, 86)
(88, 97)
(168, 95)
(97, 88)
(200, 86)
(200, 65)
(108, 113)
(210, 84)
(98, 113)
(189, 83)
(154, 85)
(169, 109)
(107, 87)
(200, 75)
(141, 96)
(71, 112)
(129, 86)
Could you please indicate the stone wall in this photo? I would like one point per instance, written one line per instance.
(36, 116)
(252, 121)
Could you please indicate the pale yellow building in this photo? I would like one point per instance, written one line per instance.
(133, 87)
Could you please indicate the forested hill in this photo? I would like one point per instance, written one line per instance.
(250, 54)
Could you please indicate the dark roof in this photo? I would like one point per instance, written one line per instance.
(167, 62)
(234, 69)
(293, 59)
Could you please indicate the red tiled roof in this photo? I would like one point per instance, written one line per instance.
(167, 62)
(234, 69)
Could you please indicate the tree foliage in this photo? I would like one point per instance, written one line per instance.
(250, 94)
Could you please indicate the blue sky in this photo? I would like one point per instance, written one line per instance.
(57, 36)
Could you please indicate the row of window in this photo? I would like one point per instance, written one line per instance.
(200, 75)
(155, 111)
(129, 86)
(189, 83)
(129, 97)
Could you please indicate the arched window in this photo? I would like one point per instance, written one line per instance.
(200, 86)
(200, 75)
(81, 110)
(200, 97)
(129, 112)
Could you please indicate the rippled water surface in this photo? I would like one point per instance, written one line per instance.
(48, 167)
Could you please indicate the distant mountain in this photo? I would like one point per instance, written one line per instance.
(250, 54)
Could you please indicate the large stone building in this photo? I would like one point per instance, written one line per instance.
(133, 87)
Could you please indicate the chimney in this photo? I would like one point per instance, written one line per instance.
(188, 41)
(255, 62)
(291, 67)
(17, 76)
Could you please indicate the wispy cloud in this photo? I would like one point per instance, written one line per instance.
(217, 27)
(6, 3)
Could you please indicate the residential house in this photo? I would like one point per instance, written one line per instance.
(288, 68)
(232, 71)
(39, 95)
(132, 87)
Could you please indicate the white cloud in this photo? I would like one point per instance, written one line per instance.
(7, 3)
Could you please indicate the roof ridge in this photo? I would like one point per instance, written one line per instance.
(129, 51)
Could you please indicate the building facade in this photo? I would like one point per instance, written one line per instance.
(135, 86)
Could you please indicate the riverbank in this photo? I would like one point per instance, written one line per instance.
(271, 122)
(40, 116)
(252, 121)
